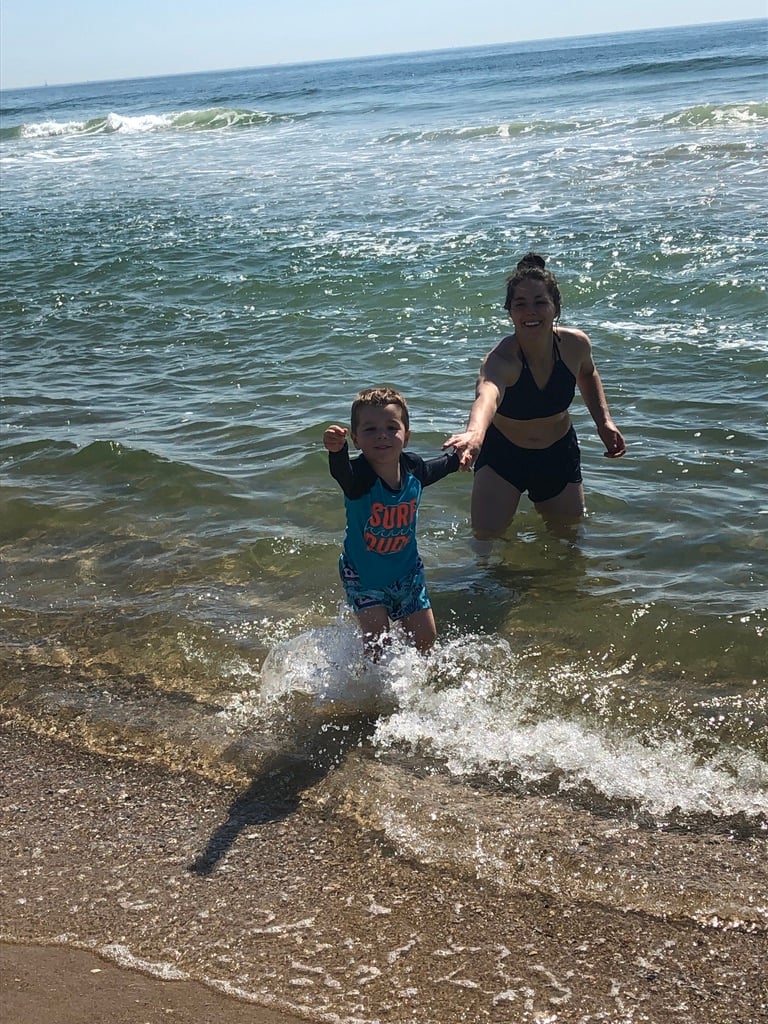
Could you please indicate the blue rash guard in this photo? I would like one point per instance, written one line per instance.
(380, 539)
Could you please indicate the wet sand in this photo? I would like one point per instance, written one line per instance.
(311, 916)
(55, 985)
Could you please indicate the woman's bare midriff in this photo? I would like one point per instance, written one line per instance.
(539, 433)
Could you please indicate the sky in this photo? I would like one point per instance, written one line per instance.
(64, 41)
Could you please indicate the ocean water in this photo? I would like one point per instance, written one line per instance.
(199, 272)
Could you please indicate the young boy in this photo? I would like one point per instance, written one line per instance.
(380, 567)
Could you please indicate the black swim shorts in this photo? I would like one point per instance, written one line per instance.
(542, 472)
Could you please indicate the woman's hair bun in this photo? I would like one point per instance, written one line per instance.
(531, 259)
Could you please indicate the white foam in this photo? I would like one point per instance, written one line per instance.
(327, 664)
(468, 705)
(123, 957)
(482, 722)
(141, 123)
(50, 129)
(110, 124)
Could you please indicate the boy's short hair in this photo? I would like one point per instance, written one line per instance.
(378, 397)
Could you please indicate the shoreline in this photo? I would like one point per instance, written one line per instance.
(75, 986)
(311, 914)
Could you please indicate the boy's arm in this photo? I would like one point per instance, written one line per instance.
(335, 438)
(429, 471)
(355, 478)
(340, 466)
(335, 442)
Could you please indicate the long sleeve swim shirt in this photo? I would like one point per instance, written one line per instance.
(380, 538)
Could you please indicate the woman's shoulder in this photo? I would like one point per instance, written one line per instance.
(503, 360)
(507, 349)
(573, 337)
(575, 348)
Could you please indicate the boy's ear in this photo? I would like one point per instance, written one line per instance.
(353, 435)
(407, 438)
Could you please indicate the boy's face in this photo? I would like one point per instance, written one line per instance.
(380, 433)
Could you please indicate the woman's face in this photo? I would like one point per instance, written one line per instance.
(532, 308)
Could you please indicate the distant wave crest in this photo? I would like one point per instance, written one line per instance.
(684, 65)
(208, 119)
(706, 115)
(713, 115)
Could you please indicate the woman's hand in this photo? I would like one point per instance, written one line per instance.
(611, 437)
(468, 446)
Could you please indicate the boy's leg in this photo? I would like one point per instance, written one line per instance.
(420, 628)
(374, 623)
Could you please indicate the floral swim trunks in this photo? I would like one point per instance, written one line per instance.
(401, 598)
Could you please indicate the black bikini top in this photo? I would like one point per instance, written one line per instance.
(525, 400)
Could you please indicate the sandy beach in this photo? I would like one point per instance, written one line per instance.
(306, 916)
(43, 985)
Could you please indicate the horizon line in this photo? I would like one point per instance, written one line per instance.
(367, 56)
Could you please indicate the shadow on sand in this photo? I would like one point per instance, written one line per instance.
(315, 748)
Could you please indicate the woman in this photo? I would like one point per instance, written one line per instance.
(519, 435)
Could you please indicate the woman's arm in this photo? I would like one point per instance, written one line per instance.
(591, 388)
(491, 383)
